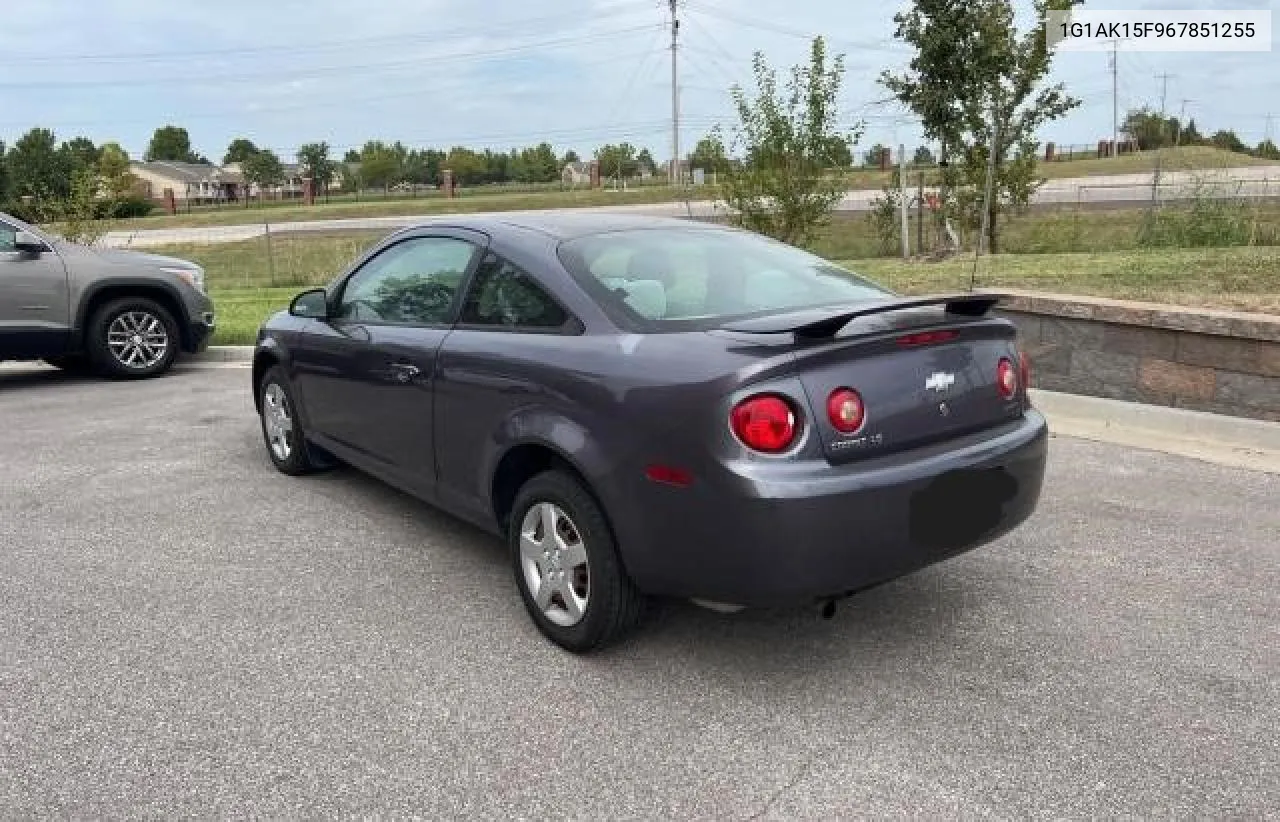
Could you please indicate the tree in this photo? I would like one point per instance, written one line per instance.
(1149, 129)
(241, 149)
(708, 155)
(782, 187)
(36, 167)
(5, 182)
(839, 153)
(923, 156)
(1001, 88)
(352, 156)
(1227, 140)
(314, 159)
(1190, 136)
(644, 160)
(379, 164)
(113, 169)
(874, 155)
(1267, 150)
(263, 167)
(570, 156)
(171, 144)
(617, 160)
(80, 154)
(544, 166)
(468, 167)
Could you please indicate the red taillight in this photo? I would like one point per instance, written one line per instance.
(846, 411)
(1007, 378)
(765, 423)
(927, 338)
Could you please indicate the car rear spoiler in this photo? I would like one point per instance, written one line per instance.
(816, 323)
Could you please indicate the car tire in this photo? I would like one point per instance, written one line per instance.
(133, 338)
(548, 572)
(281, 429)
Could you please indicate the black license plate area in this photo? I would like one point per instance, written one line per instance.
(960, 507)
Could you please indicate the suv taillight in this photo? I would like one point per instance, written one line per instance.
(765, 422)
(1007, 378)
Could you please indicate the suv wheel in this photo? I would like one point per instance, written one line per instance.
(133, 337)
(281, 428)
(567, 566)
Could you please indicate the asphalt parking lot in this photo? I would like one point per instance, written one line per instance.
(186, 632)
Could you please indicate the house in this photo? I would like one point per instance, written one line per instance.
(290, 185)
(189, 182)
(576, 173)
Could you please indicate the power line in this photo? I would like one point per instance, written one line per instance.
(676, 176)
(704, 8)
(278, 75)
(291, 49)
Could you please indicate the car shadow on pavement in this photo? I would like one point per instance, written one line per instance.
(901, 619)
(19, 378)
(919, 608)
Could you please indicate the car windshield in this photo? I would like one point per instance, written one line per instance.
(686, 278)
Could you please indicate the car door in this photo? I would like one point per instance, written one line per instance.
(366, 373)
(500, 357)
(35, 314)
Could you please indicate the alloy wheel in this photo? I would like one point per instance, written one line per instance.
(277, 421)
(138, 340)
(553, 557)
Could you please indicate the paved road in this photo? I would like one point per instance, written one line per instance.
(187, 633)
(1097, 191)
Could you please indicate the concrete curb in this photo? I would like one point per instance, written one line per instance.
(1233, 441)
(1217, 438)
(225, 353)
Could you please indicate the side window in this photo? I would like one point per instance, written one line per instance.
(411, 283)
(7, 235)
(504, 295)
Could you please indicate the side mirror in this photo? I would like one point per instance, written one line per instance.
(28, 243)
(311, 305)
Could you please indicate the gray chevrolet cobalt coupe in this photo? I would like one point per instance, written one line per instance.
(658, 408)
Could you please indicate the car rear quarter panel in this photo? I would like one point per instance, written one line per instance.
(609, 404)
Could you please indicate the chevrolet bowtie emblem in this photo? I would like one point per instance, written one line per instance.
(939, 381)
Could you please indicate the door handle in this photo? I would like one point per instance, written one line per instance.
(405, 372)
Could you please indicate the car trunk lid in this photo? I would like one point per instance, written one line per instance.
(925, 369)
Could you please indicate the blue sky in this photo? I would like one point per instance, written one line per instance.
(504, 73)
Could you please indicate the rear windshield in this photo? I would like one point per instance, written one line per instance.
(690, 278)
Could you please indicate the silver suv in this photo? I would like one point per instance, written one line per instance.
(118, 313)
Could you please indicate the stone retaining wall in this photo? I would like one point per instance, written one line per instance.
(1220, 361)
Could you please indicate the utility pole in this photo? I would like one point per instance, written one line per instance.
(1115, 99)
(676, 177)
(1155, 177)
(1182, 121)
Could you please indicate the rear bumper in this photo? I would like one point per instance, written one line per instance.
(775, 535)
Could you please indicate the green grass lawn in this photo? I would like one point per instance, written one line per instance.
(1245, 279)
(466, 202)
(305, 258)
(471, 200)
